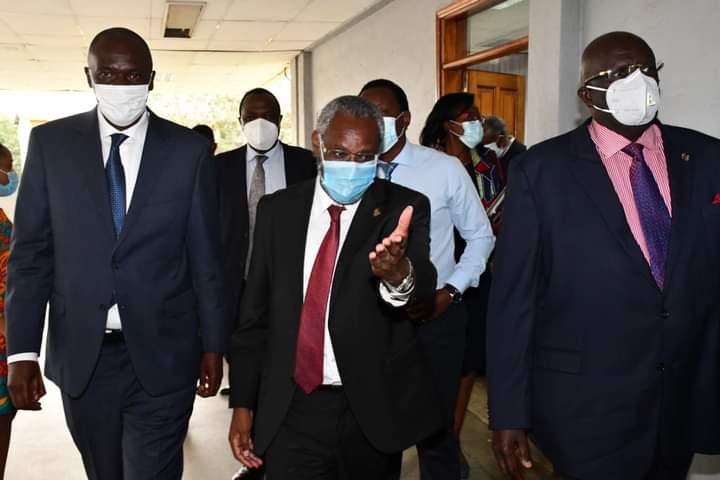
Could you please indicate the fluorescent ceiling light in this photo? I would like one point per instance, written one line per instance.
(506, 4)
(181, 18)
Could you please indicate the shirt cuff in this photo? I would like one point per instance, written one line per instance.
(23, 357)
(399, 296)
(460, 281)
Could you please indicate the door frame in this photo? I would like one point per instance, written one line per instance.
(451, 44)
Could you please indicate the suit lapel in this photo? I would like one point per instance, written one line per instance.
(153, 159)
(291, 173)
(295, 226)
(241, 189)
(680, 173)
(591, 174)
(88, 154)
(362, 225)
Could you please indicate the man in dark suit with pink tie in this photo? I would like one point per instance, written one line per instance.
(605, 286)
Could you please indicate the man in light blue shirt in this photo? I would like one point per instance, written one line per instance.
(454, 204)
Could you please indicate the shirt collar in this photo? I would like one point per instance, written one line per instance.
(251, 153)
(133, 132)
(609, 142)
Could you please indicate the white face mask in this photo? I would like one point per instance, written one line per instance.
(391, 136)
(261, 134)
(472, 133)
(633, 100)
(121, 105)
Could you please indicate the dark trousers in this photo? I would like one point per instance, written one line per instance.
(443, 341)
(321, 440)
(120, 430)
(661, 469)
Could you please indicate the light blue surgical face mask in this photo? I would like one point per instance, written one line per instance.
(346, 181)
(12, 185)
(390, 137)
(472, 133)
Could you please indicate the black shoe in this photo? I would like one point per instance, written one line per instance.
(225, 391)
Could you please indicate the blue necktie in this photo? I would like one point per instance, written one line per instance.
(387, 169)
(115, 176)
(654, 215)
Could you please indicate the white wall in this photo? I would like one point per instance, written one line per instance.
(683, 34)
(552, 106)
(396, 42)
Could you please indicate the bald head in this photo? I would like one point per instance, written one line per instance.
(118, 56)
(613, 50)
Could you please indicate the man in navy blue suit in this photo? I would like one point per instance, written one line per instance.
(116, 226)
(605, 284)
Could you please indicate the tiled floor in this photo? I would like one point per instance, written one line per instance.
(42, 448)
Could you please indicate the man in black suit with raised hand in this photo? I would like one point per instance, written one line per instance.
(326, 369)
(116, 226)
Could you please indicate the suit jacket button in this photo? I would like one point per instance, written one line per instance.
(660, 367)
(116, 266)
(664, 314)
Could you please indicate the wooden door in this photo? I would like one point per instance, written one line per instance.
(502, 95)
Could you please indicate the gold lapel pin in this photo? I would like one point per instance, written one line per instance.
(685, 156)
(376, 212)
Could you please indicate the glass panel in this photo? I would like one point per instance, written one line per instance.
(500, 24)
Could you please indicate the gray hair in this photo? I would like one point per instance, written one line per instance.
(352, 105)
(495, 125)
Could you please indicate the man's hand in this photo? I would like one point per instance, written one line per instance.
(432, 308)
(26, 385)
(211, 372)
(388, 260)
(511, 449)
(240, 442)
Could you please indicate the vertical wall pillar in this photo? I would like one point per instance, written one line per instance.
(553, 69)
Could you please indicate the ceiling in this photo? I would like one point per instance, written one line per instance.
(236, 45)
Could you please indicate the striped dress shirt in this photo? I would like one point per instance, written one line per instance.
(609, 145)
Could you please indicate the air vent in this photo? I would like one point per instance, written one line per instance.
(181, 18)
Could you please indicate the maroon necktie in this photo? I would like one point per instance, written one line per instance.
(311, 335)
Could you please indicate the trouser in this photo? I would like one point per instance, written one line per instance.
(661, 469)
(320, 439)
(443, 341)
(122, 432)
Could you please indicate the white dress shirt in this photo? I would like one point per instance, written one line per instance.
(454, 202)
(274, 168)
(131, 151)
(318, 226)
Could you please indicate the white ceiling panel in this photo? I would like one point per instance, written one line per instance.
(9, 53)
(309, 31)
(43, 43)
(333, 10)
(205, 30)
(233, 46)
(287, 45)
(58, 40)
(177, 44)
(91, 26)
(45, 7)
(112, 8)
(58, 54)
(244, 31)
(266, 9)
(22, 24)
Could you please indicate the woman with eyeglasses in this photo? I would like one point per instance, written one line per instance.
(454, 126)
